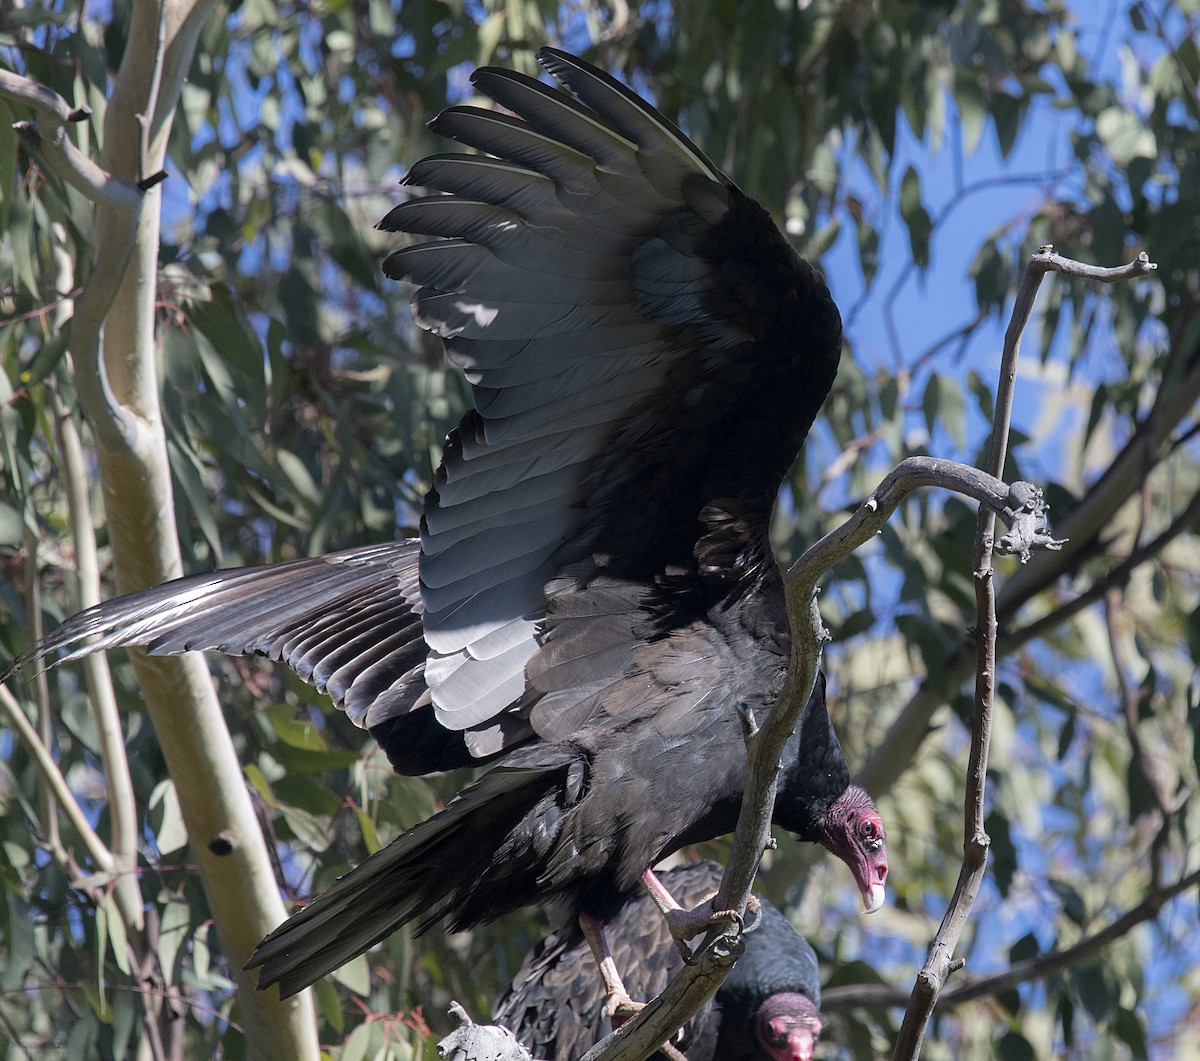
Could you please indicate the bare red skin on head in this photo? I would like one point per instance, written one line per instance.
(854, 832)
(787, 1027)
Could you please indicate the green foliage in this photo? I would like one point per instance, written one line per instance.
(304, 412)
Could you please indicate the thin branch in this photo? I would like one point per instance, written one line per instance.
(62, 158)
(839, 999)
(145, 117)
(44, 101)
(103, 701)
(41, 698)
(49, 143)
(48, 768)
(1174, 401)
(941, 963)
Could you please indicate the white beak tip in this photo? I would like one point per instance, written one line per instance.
(875, 898)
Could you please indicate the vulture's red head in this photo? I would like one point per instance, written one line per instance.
(854, 832)
(787, 1027)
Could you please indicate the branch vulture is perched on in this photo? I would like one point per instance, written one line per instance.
(767, 1009)
(593, 591)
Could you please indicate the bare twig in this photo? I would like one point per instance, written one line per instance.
(48, 768)
(839, 999)
(1175, 400)
(941, 964)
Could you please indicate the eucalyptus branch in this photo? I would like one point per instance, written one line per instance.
(61, 157)
(102, 699)
(117, 225)
(44, 101)
(941, 963)
(45, 138)
(41, 697)
(852, 996)
(145, 117)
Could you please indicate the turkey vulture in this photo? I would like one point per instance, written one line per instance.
(593, 595)
(767, 1008)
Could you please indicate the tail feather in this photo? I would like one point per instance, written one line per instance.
(424, 875)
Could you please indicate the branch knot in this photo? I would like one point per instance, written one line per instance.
(1029, 526)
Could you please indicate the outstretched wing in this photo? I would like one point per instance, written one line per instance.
(646, 354)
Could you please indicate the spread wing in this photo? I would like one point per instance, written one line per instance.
(646, 354)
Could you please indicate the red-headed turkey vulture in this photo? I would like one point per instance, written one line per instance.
(767, 1008)
(593, 592)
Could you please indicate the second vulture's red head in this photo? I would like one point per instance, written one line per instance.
(787, 1027)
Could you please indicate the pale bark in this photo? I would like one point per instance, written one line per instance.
(113, 347)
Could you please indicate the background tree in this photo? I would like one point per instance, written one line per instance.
(303, 411)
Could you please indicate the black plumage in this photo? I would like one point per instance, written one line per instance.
(593, 590)
(767, 1008)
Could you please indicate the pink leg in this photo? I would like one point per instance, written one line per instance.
(617, 1003)
(685, 924)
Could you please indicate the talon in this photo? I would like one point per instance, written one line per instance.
(753, 914)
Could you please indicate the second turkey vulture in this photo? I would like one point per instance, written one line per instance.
(766, 1009)
(593, 592)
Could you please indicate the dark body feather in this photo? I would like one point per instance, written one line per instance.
(593, 590)
(555, 1003)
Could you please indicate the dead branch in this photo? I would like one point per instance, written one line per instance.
(1020, 506)
(941, 963)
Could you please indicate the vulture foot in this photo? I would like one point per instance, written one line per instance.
(619, 1007)
(687, 924)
